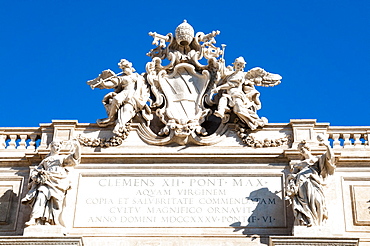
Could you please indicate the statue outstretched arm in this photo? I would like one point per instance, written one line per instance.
(74, 158)
(106, 80)
(327, 160)
(77, 152)
(109, 83)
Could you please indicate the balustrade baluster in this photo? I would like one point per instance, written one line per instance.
(2, 141)
(32, 142)
(357, 143)
(22, 144)
(347, 141)
(12, 142)
(336, 142)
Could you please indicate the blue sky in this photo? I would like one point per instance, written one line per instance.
(49, 49)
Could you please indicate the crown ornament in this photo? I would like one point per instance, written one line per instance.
(184, 33)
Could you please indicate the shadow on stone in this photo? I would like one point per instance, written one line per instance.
(6, 197)
(269, 212)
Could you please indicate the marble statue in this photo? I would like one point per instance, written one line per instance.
(185, 87)
(305, 185)
(48, 185)
(129, 96)
(239, 93)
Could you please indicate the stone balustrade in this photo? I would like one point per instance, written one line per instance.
(349, 136)
(20, 138)
(33, 138)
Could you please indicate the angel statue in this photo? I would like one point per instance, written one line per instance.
(238, 92)
(129, 96)
(48, 185)
(304, 185)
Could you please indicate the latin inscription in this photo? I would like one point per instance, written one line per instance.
(179, 202)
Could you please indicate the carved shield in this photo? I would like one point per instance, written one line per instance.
(184, 89)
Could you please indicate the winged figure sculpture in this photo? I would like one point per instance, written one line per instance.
(237, 92)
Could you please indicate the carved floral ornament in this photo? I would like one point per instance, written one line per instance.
(183, 102)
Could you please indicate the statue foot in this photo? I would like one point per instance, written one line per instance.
(104, 122)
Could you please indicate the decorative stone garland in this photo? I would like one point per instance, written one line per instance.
(103, 142)
(251, 141)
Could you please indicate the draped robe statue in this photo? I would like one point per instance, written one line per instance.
(305, 186)
(48, 186)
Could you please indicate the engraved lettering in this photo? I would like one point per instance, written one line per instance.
(153, 193)
(179, 201)
(124, 210)
(126, 182)
(206, 182)
(248, 182)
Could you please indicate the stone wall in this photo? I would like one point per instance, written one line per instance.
(230, 193)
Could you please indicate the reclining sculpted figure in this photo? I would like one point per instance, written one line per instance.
(239, 94)
(129, 97)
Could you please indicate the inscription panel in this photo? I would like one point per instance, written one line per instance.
(181, 201)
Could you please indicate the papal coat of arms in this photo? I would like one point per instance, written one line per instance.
(184, 101)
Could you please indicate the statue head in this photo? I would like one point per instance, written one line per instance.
(55, 146)
(184, 34)
(126, 66)
(304, 149)
(239, 63)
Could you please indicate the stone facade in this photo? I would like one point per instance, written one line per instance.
(224, 194)
(183, 158)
